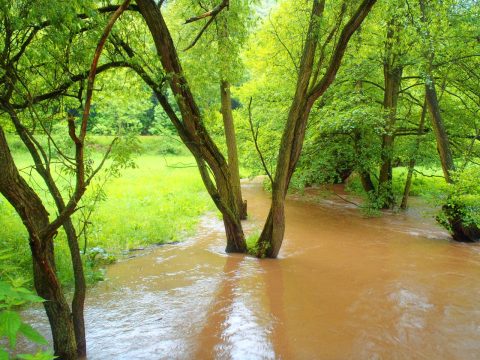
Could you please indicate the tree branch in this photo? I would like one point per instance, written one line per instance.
(212, 14)
(255, 138)
(79, 140)
(337, 56)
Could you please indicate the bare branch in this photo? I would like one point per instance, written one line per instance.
(212, 14)
(255, 138)
(79, 140)
(349, 29)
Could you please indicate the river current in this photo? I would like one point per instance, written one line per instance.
(344, 287)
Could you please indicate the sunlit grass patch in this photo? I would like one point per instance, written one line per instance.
(158, 201)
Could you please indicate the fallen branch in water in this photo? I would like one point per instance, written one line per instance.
(344, 199)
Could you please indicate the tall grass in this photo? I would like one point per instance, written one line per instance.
(158, 201)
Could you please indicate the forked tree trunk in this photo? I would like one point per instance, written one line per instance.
(41, 231)
(306, 93)
(231, 140)
(192, 130)
(35, 218)
(72, 240)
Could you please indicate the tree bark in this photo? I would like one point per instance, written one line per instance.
(231, 140)
(35, 218)
(192, 130)
(411, 163)
(306, 94)
(392, 74)
(443, 145)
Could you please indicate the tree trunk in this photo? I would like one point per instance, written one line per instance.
(192, 130)
(306, 93)
(58, 312)
(231, 141)
(78, 301)
(460, 229)
(392, 74)
(271, 238)
(72, 240)
(367, 182)
(411, 164)
(365, 177)
(35, 218)
(443, 145)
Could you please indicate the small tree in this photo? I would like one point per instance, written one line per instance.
(311, 85)
(68, 333)
(214, 168)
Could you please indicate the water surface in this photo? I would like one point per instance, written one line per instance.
(344, 287)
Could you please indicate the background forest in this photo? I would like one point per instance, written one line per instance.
(394, 114)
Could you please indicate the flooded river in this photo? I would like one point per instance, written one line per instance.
(344, 287)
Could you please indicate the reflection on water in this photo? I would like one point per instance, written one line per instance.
(344, 287)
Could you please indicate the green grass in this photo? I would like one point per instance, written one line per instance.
(157, 202)
(251, 241)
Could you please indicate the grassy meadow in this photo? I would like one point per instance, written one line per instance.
(157, 201)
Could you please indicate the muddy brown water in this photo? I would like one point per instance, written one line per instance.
(344, 287)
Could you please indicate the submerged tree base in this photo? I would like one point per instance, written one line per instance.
(460, 229)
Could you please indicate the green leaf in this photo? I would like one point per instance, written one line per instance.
(3, 355)
(38, 356)
(32, 334)
(9, 325)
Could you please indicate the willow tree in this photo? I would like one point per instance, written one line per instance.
(21, 30)
(321, 59)
(213, 166)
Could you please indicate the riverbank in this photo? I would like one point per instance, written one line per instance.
(159, 201)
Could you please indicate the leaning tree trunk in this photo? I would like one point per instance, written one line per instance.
(35, 218)
(231, 140)
(443, 145)
(72, 240)
(271, 238)
(460, 229)
(453, 211)
(192, 130)
(306, 93)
